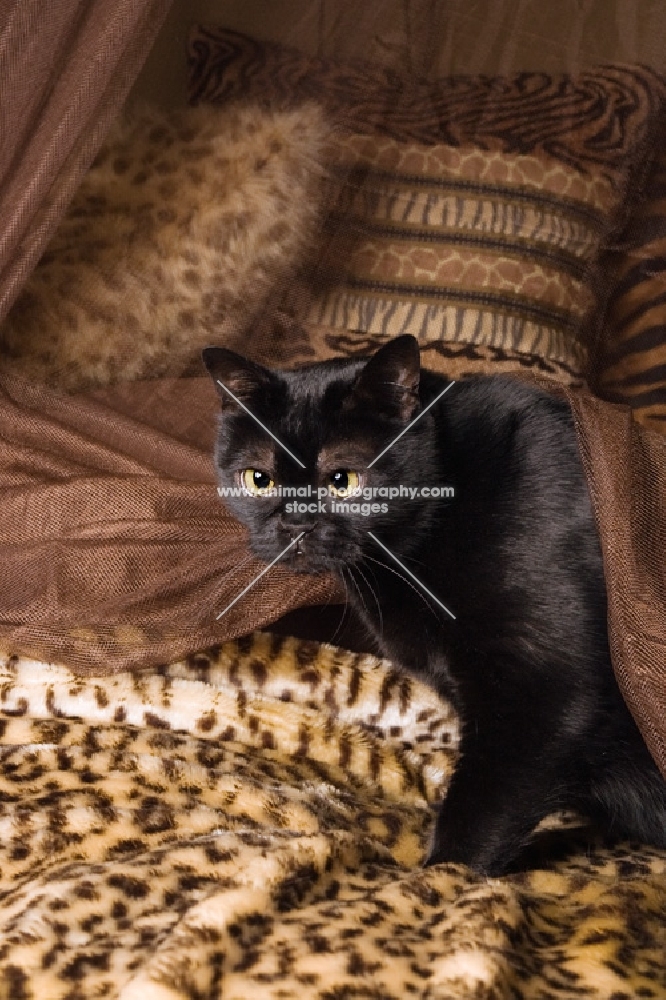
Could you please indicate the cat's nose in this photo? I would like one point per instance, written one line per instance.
(296, 528)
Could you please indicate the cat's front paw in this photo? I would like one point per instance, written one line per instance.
(434, 857)
(437, 856)
(470, 838)
(440, 854)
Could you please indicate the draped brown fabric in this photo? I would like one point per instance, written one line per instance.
(625, 466)
(115, 551)
(101, 510)
(65, 69)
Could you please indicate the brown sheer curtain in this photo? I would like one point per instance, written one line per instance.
(115, 551)
(66, 67)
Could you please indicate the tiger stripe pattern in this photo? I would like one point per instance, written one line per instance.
(632, 363)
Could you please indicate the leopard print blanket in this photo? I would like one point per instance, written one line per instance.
(251, 822)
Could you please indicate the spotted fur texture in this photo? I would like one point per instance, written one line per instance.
(250, 823)
(177, 237)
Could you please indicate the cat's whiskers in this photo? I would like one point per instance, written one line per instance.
(406, 580)
(374, 594)
(345, 607)
(357, 589)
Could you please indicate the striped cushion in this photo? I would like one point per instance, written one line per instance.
(464, 245)
(470, 210)
(632, 363)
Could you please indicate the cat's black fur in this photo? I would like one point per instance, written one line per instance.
(514, 556)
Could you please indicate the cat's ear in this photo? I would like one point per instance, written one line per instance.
(389, 382)
(232, 373)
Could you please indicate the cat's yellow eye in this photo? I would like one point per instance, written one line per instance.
(344, 482)
(256, 482)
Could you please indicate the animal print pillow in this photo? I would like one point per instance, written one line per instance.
(471, 211)
(177, 237)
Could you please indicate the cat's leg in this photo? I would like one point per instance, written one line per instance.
(510, 776)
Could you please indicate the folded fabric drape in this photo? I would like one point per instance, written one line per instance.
(115, 550)
(65, 70)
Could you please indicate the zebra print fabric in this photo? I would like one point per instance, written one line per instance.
(466, 210)
(594, 120)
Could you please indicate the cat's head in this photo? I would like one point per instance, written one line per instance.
(287, 438)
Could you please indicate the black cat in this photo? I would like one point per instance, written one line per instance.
(508, 617)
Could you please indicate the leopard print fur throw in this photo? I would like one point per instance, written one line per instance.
(251, 822)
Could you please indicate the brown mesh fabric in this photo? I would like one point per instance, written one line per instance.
(626, 471)
(64, 74)
(115, 551)
(625, 466)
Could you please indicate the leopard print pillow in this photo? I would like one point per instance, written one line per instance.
(177, 236)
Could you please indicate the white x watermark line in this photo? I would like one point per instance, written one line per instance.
(258, 421)
(414, 578)
(294, 541)
(410, 424)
